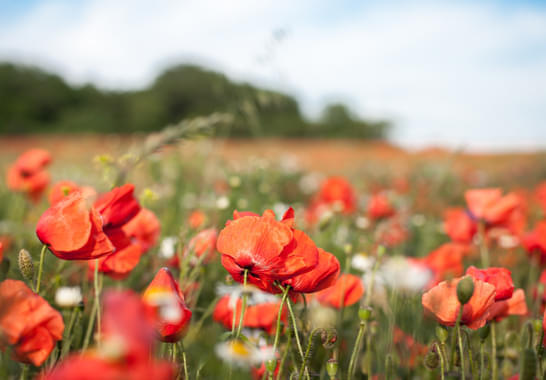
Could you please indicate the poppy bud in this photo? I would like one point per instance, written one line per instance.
(432, 359)
(442, 334)
(270, 365)
(365, 313)
(484, 332)
(328, 338)
(528, 364)
(26, 266)
(331, 368)
(537, 326)
(348, 248)
(465, 289)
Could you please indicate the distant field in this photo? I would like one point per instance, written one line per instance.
(328, 156)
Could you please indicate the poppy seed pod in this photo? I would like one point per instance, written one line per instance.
(365, 313)
(465, 289)
(332, 367)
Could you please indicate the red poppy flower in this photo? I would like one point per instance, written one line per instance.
(27, 323)
(540, 195)
(515, 305)
(336, 194)
(118, 206)
(168, 311)
(126, 329)
(258, 373)
(270, 250)
(489, 205)
(1, 251)
(445, 261)
(204, 243)
(144, 228)
(197, 219)
(535, 241)
(28, 173)
(346, 291)
(379, 206)
(92, 367)
(408, 349)
(321, 277)
(443, 303)
(391, 232)
(117, 209)
(257, 316)
(125, 258)
(338, 191)
(73, 230)
(459, 226)
(500, 278)
(62, 188)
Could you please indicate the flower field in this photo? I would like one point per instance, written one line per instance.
(178, 257)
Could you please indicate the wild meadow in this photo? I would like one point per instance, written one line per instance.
(153, 263)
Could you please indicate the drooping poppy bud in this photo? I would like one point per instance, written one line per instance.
(168, 311)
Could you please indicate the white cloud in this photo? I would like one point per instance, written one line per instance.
(460, 74)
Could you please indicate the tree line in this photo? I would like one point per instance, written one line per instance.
(35, 101)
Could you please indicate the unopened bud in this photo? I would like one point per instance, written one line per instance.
(348, 248)
(365, 314)
(331, 368)
(432, 359)
(380, 251)
(465, 289)
(537, 326)
(328, 338)
(484, 332)
(26, 266)
(442, 334)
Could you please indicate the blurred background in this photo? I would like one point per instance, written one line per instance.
(465, 75)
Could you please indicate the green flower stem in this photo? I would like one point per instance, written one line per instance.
(97, 298)
(307, 352)
(494, 367)
(460, 340)
(442, 364)
(67, 339)
(284, 355)
(295, 326)
(482, 360)
(243, 307)
(484, 252)
(184, 360)
(40, 268)
(356, 350)
(278, 329)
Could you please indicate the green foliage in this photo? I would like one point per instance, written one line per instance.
(32, 100)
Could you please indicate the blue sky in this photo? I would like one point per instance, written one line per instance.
(464, 74)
